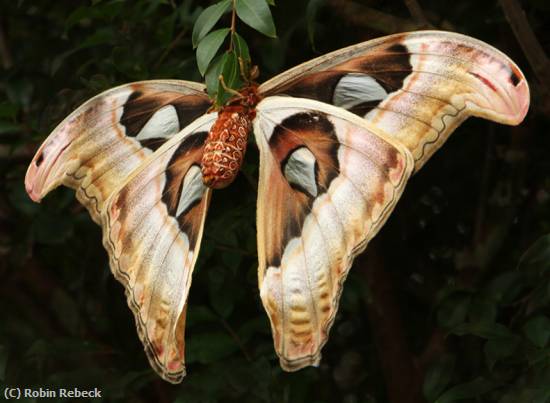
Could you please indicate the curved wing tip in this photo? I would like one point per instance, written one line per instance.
(31, 182)
(174, 373)
(174, 378)
(523, 100)
(295, 364)
(47, 166)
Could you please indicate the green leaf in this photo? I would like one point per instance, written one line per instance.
(256, 14)
(118, 386)
(452, 311)
(499, 348)
(77, 15)
(105, 12)
(539, 297)
(20, 200)
(99, 37)
(537, 357)
(208, 47)
(482, 310)
(231, 76)
(207, 19)
(484, 330)
(241, 47)
(209, 347)
(165, 30)
(65, 310)
(467, 390)
(221, 295)
(222, 301)
(3, 361)
(20, 92)
(253, 327)
(537, 257)
(505, 287)
(273, 54)
(542, 395)
(243, 54)
(438, 377)
(8, 127)
(41, 349)
(226, 65)
(212, 75)
(8, 110)
(537, 330)
(49, 228)
(200, 314)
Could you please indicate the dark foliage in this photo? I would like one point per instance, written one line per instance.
(451, 302)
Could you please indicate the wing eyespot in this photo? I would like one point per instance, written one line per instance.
(39, 159)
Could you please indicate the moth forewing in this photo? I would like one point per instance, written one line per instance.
(91, 151)
(338, 136)
(417, 86)
(204, 122)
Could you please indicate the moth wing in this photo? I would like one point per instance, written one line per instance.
(328, 182)
(152, 231)
(139, 176)
(98, 145)
(417, 87)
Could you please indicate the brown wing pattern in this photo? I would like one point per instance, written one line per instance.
(331, 172)
(417, 87)
(98, 145)
(133, 155)
(328, 182)
(152, 231)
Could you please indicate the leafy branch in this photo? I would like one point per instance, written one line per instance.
(234, 63)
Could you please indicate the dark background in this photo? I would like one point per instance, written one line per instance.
(451, 301)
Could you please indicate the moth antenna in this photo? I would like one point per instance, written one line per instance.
(230, 90)
(254, 73)
(243, 69)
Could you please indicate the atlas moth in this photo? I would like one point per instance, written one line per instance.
(338, 138)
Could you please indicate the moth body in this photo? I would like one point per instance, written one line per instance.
(226, 143)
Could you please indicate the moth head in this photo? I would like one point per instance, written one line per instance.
(217, 177)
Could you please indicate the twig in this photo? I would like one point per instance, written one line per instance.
(234, 249)
(237, 339)
(417, 13)
(233, 24)
(363, 16)
(433, 349)
(484, 189)
(531, 47)
(5, 53)
(403, 377)
(170, 47)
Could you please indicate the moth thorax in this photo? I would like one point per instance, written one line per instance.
(225, 146)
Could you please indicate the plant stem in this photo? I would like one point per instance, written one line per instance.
(233, 23)
(531, 47)
(403, 377)
(170, 47)
(417, 13)
(5, 53)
